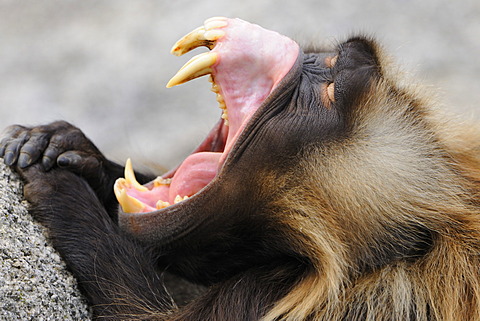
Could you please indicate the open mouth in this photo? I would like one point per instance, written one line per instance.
(245, 64)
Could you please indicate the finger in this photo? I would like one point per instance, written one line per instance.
(8, 135)
(79, 162)
(32, 149)
(50, 155)
(13, 148)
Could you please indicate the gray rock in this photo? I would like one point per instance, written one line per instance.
(34, 282)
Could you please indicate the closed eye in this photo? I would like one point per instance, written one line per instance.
(328, 94)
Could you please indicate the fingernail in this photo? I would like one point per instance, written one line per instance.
(47, 163)
(24, 160)
(9, 159)
(63, 161)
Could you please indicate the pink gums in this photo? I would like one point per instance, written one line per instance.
(251, 62)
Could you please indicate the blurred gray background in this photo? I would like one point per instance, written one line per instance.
(103, 65)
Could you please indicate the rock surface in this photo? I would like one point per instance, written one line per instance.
(34, 282)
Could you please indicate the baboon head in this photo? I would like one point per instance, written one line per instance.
(320, 151)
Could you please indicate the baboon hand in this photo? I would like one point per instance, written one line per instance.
(56, 144)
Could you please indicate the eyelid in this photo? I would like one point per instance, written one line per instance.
(331, 92)
(330, 61)
(328, 94)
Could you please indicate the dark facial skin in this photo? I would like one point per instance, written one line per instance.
(234, 244)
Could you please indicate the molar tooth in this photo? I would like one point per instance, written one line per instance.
(225, 116)
(178, 198)
(161, 181)
(215, 88)
(221, 102)
(161, 204)
(128, 203)
(196, 67)
(130, 177)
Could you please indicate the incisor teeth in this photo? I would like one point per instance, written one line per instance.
(212, 19)
(196, 67)
(130, 177)
(214, 23)
(214, 35)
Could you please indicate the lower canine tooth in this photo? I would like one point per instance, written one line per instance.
(128, 203)
(196, 67)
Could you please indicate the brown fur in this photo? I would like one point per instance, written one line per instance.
(366, 207)
(402, 167)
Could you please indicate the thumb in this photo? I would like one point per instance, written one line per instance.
(81, 163)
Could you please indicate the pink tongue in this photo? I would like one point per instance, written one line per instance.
(194, 174)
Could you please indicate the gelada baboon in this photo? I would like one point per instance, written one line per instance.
(328, 190)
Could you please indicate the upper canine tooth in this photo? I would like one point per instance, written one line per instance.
(196, 67)
(130, 177)
(205, 35)
(190, 41)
